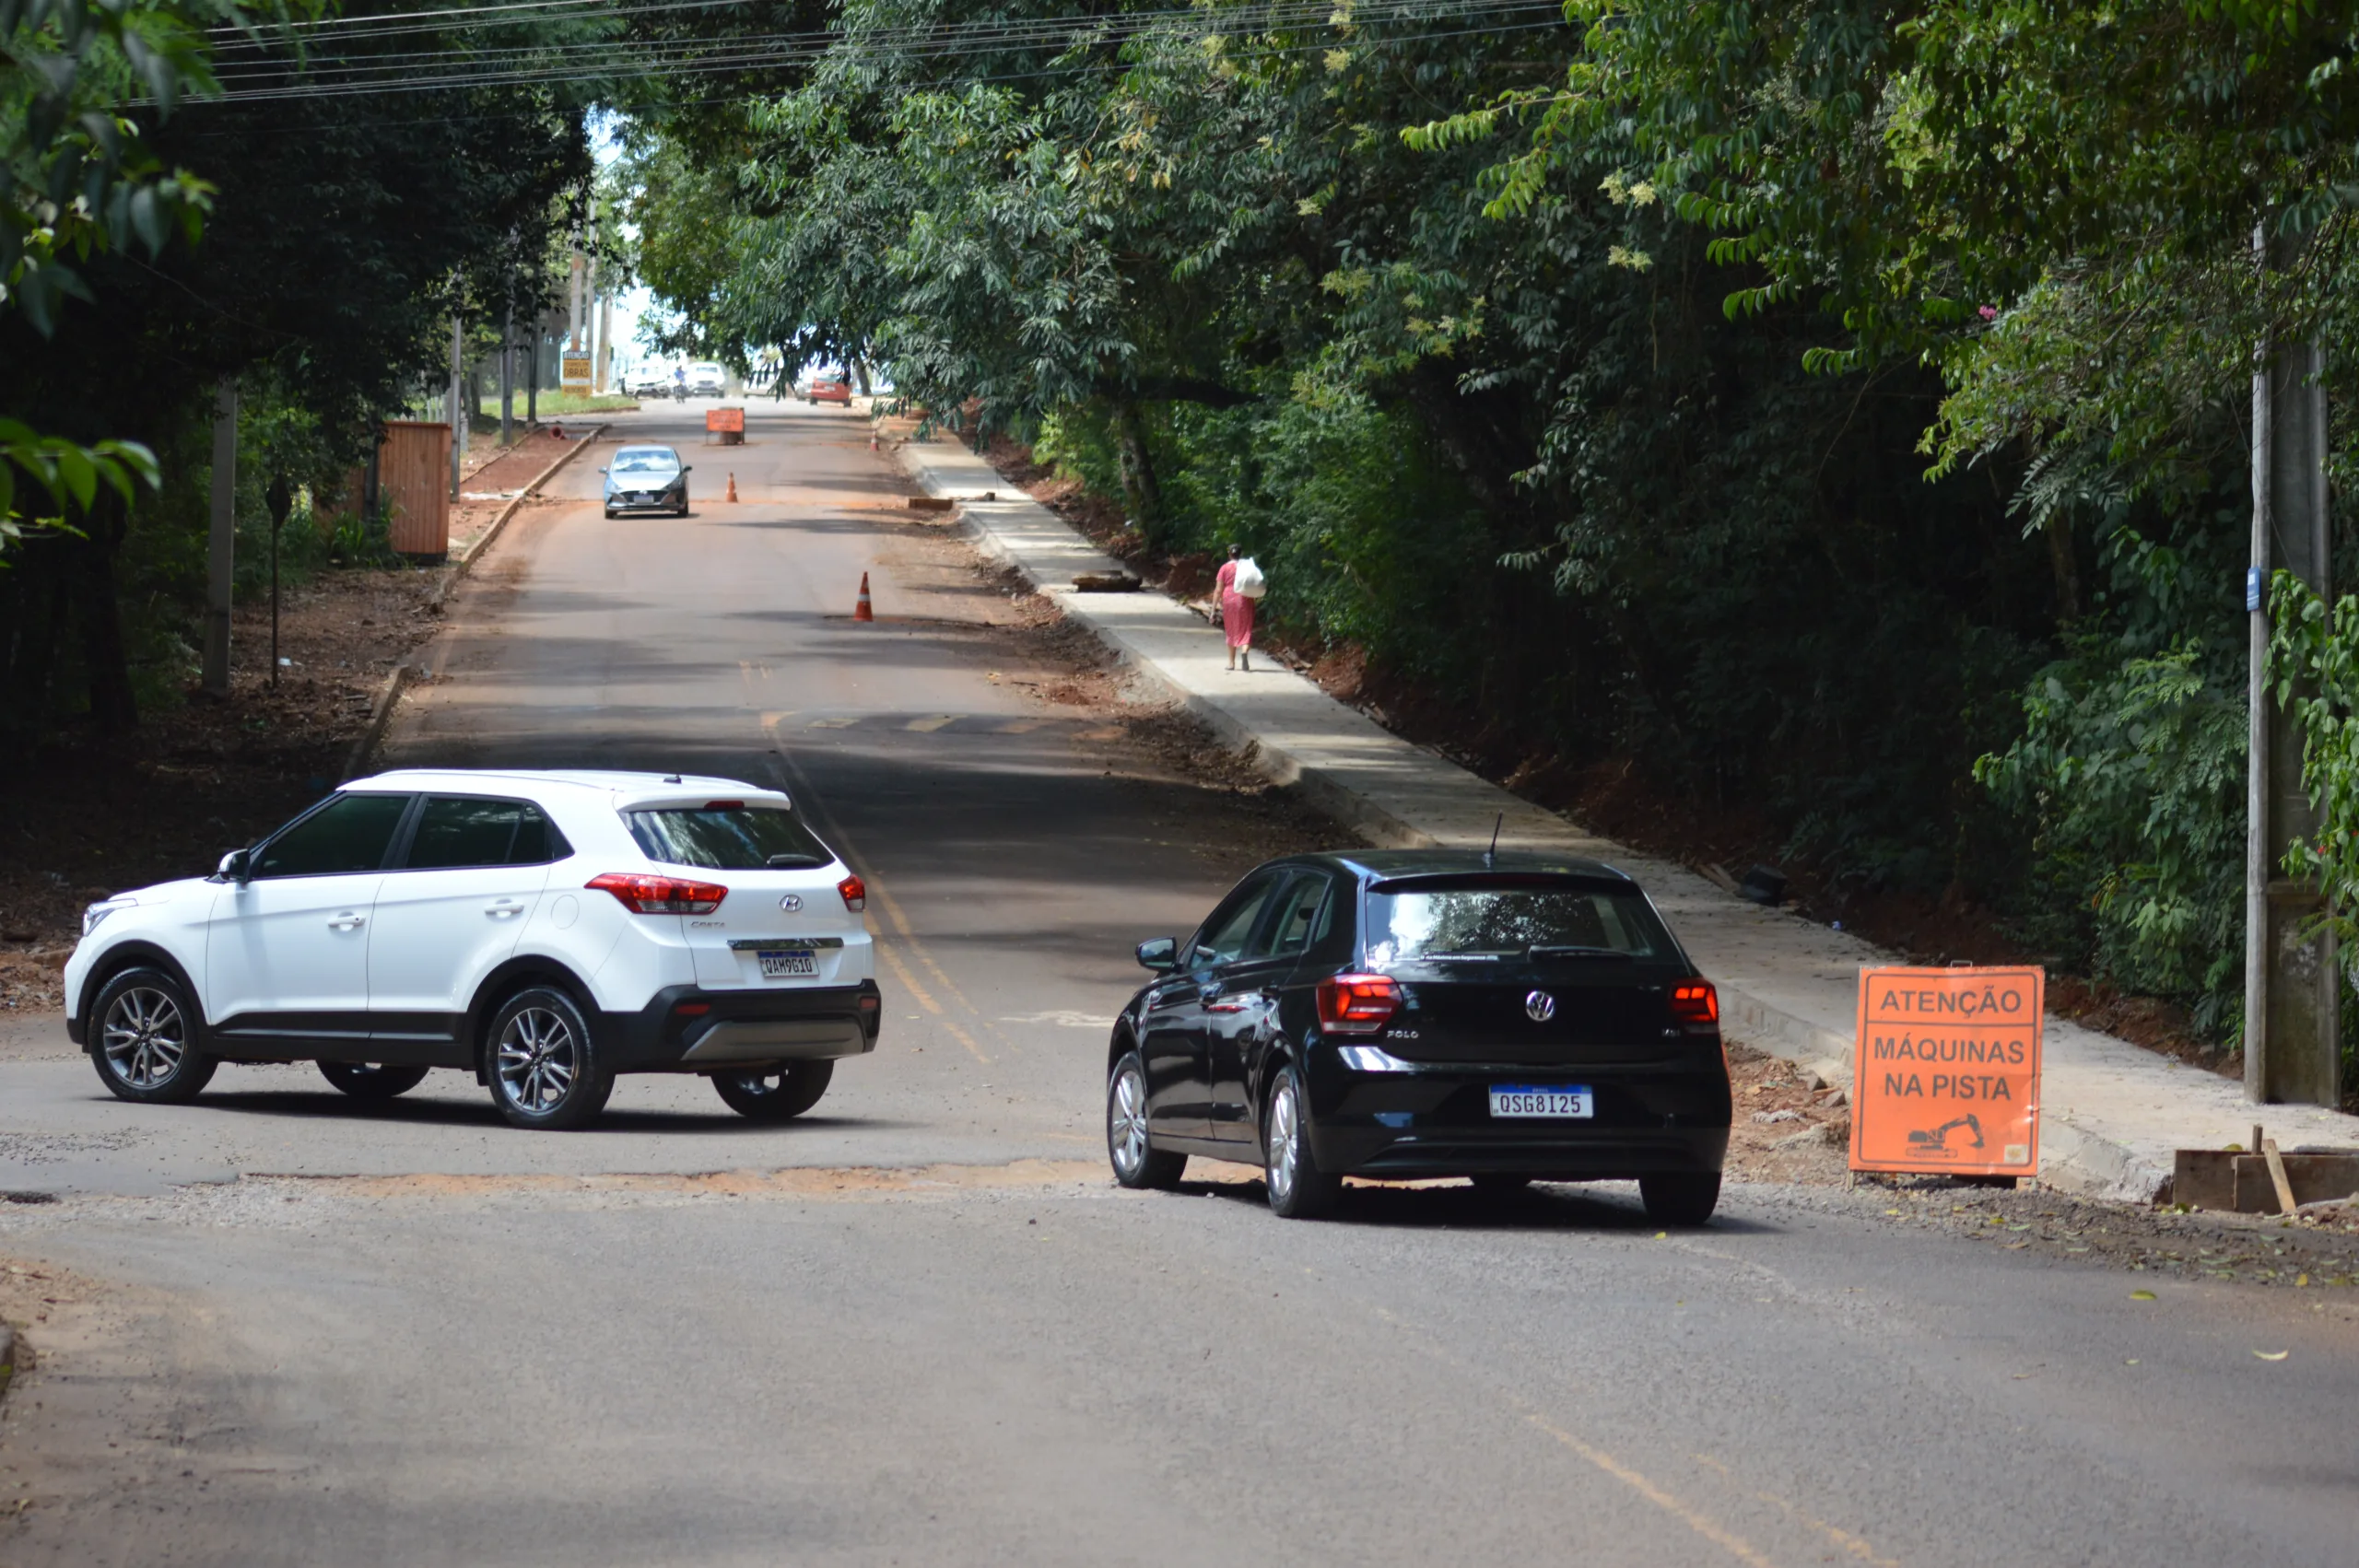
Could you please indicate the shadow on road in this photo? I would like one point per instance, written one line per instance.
(1542, 1207)
(459, 1113)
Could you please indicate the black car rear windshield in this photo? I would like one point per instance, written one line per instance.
(723, 837)
(1525, 917)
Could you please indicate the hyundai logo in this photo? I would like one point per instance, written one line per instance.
(791, 903)
(1539, 1007)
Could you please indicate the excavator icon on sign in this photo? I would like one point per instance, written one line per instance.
(1939, 1137)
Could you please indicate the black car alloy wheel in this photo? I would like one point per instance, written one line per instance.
(1137, 1162)
(146, 1044)
(544, 1070)
(1298, 1188)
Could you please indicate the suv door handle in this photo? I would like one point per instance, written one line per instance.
(503, 908)
(346, 921)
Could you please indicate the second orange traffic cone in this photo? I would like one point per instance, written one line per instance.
(863, 611)
(733, 485)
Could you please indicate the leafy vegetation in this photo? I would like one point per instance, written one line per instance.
(1837, 407)
(339, 233)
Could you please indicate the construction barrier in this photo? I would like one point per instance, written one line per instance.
(1946, 1078)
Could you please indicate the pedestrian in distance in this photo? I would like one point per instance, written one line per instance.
(1239, 584)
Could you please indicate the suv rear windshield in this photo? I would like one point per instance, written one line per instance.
(722, 838)
(1533, 917)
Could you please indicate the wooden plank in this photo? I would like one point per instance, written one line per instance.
(2205, 1177)
(2314, 1179)
(2276, 1163)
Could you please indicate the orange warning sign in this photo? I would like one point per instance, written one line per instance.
(1947, 1073)
(731, 419)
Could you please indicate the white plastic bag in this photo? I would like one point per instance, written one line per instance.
(1249, 581)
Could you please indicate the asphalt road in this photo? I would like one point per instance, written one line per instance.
(923, 1327)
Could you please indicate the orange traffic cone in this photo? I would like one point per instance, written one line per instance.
(863, 611)
(733, 487)
(872, 440)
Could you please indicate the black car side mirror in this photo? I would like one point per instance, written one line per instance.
(1160, 956)
(236, 866)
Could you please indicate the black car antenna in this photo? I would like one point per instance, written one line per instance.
(1491, 855)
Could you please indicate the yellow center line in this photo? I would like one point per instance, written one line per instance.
(876, 889)
(1734, 1545)
(1661, 1497)
(1836, 1533)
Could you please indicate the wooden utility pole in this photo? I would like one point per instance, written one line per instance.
(2293, 983)
(221, 542)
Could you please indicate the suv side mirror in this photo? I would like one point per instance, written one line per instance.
(236, 866)
(1160, 955)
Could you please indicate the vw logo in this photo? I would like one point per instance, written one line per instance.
(791, 903)
(1539, 1007)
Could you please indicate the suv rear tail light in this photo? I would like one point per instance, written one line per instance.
(644, 895)
(1358, 1004)
(1695, 1001)
(855, 893)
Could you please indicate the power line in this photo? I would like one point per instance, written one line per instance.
(617, 59)
(718, 98)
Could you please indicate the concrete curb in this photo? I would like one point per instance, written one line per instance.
(2072, 1159)
(482, 541)
(397, 680)
(402, 675)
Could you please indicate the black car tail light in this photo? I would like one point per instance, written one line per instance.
(1695, 1002)
(1358, 1004)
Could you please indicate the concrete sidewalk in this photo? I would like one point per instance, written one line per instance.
(2112, 1112)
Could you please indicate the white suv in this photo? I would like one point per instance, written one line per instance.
(545, 930)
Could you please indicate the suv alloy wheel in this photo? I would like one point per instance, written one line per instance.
(145, 1039)
(542, 1068)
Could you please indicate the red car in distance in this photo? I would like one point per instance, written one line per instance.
(828, 386)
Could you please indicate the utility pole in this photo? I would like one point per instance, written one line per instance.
(2293, 989)
(221, 542)
(590, 305)
(606, 338)
(458, 414)
(280, 500)
(573, 304)
(508, 371)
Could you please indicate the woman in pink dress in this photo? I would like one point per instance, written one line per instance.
(1235, 613)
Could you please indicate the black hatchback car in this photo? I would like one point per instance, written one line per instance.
(1425, 1013)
